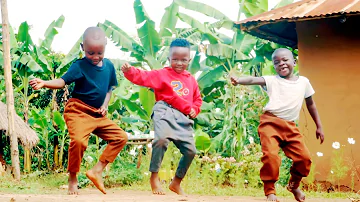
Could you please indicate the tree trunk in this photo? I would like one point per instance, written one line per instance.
(2, 145)
(54, 107)
(61, 155)
(61, 152)
(9, 91)
(27, 156)
(56, 152)
(27, 160)
(47, 152)
(65, 95)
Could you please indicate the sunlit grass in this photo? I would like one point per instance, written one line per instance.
(42, 183)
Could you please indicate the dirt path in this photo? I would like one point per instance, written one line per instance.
(134, 196)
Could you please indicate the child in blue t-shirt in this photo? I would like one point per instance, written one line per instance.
(85, 112)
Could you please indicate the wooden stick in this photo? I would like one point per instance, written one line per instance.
(9, 91)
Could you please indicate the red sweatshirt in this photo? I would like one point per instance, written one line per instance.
(181, 91)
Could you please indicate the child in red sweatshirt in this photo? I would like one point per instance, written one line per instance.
(178, 99)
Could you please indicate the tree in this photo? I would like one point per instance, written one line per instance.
(30, 59)
(9, 91)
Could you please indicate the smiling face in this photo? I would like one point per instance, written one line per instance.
(179, 58)
(284, 62)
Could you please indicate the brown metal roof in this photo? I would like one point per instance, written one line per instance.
(278, 25)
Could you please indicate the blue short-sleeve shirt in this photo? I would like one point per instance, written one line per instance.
(91, 82)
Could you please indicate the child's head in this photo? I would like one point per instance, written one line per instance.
(179, 57)
(284, 62)
(94, 42)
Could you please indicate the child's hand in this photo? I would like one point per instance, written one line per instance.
(234, 80)
(320, 134)
(103, 110)
(126, 67)
(192, 113)
(36, 84)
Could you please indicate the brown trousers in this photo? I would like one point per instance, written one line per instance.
(81, 120)
(276, 133)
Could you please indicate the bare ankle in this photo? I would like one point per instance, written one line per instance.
(72, 173)
(175, 186)
(177, 179)
(100, 166)
(271, 197)
(154, 175)
(72, 176)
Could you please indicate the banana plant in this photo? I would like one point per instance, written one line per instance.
(62, 136)
(224, 54)
(153, 47)
(24, 66)
(54, 66)
(30, 59)
(150, 52)
(241, 53)
(41, 121)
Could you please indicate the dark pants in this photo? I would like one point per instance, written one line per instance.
(172, 125)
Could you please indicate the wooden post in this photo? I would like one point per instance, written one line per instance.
(9, 91)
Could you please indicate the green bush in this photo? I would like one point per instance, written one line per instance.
(123, 172)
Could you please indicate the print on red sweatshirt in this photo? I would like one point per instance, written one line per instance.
(181, 91)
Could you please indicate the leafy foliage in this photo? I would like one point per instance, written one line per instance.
(227, 125)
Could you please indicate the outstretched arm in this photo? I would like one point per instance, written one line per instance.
(140, 77)
(310, 104)
(248, 80)
(36, 84)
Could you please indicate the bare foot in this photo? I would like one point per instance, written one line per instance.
(271, 197)
(175, 186)
(156, 185)
(298, 194)
(73, 184)
(96, 178)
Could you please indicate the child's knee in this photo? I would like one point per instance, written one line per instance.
(160, 143)
(79, 142)
(306, 159)
(303, 166)
(271, 157)
(307, 163)
(191, 152)
(122, 136)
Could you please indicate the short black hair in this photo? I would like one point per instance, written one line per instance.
(280, 50)
(179, 42)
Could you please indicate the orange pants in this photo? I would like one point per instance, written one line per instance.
(276, 133)
(81, 120)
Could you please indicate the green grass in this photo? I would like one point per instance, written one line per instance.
(43, 183)
(34, 183)
(197, 188)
